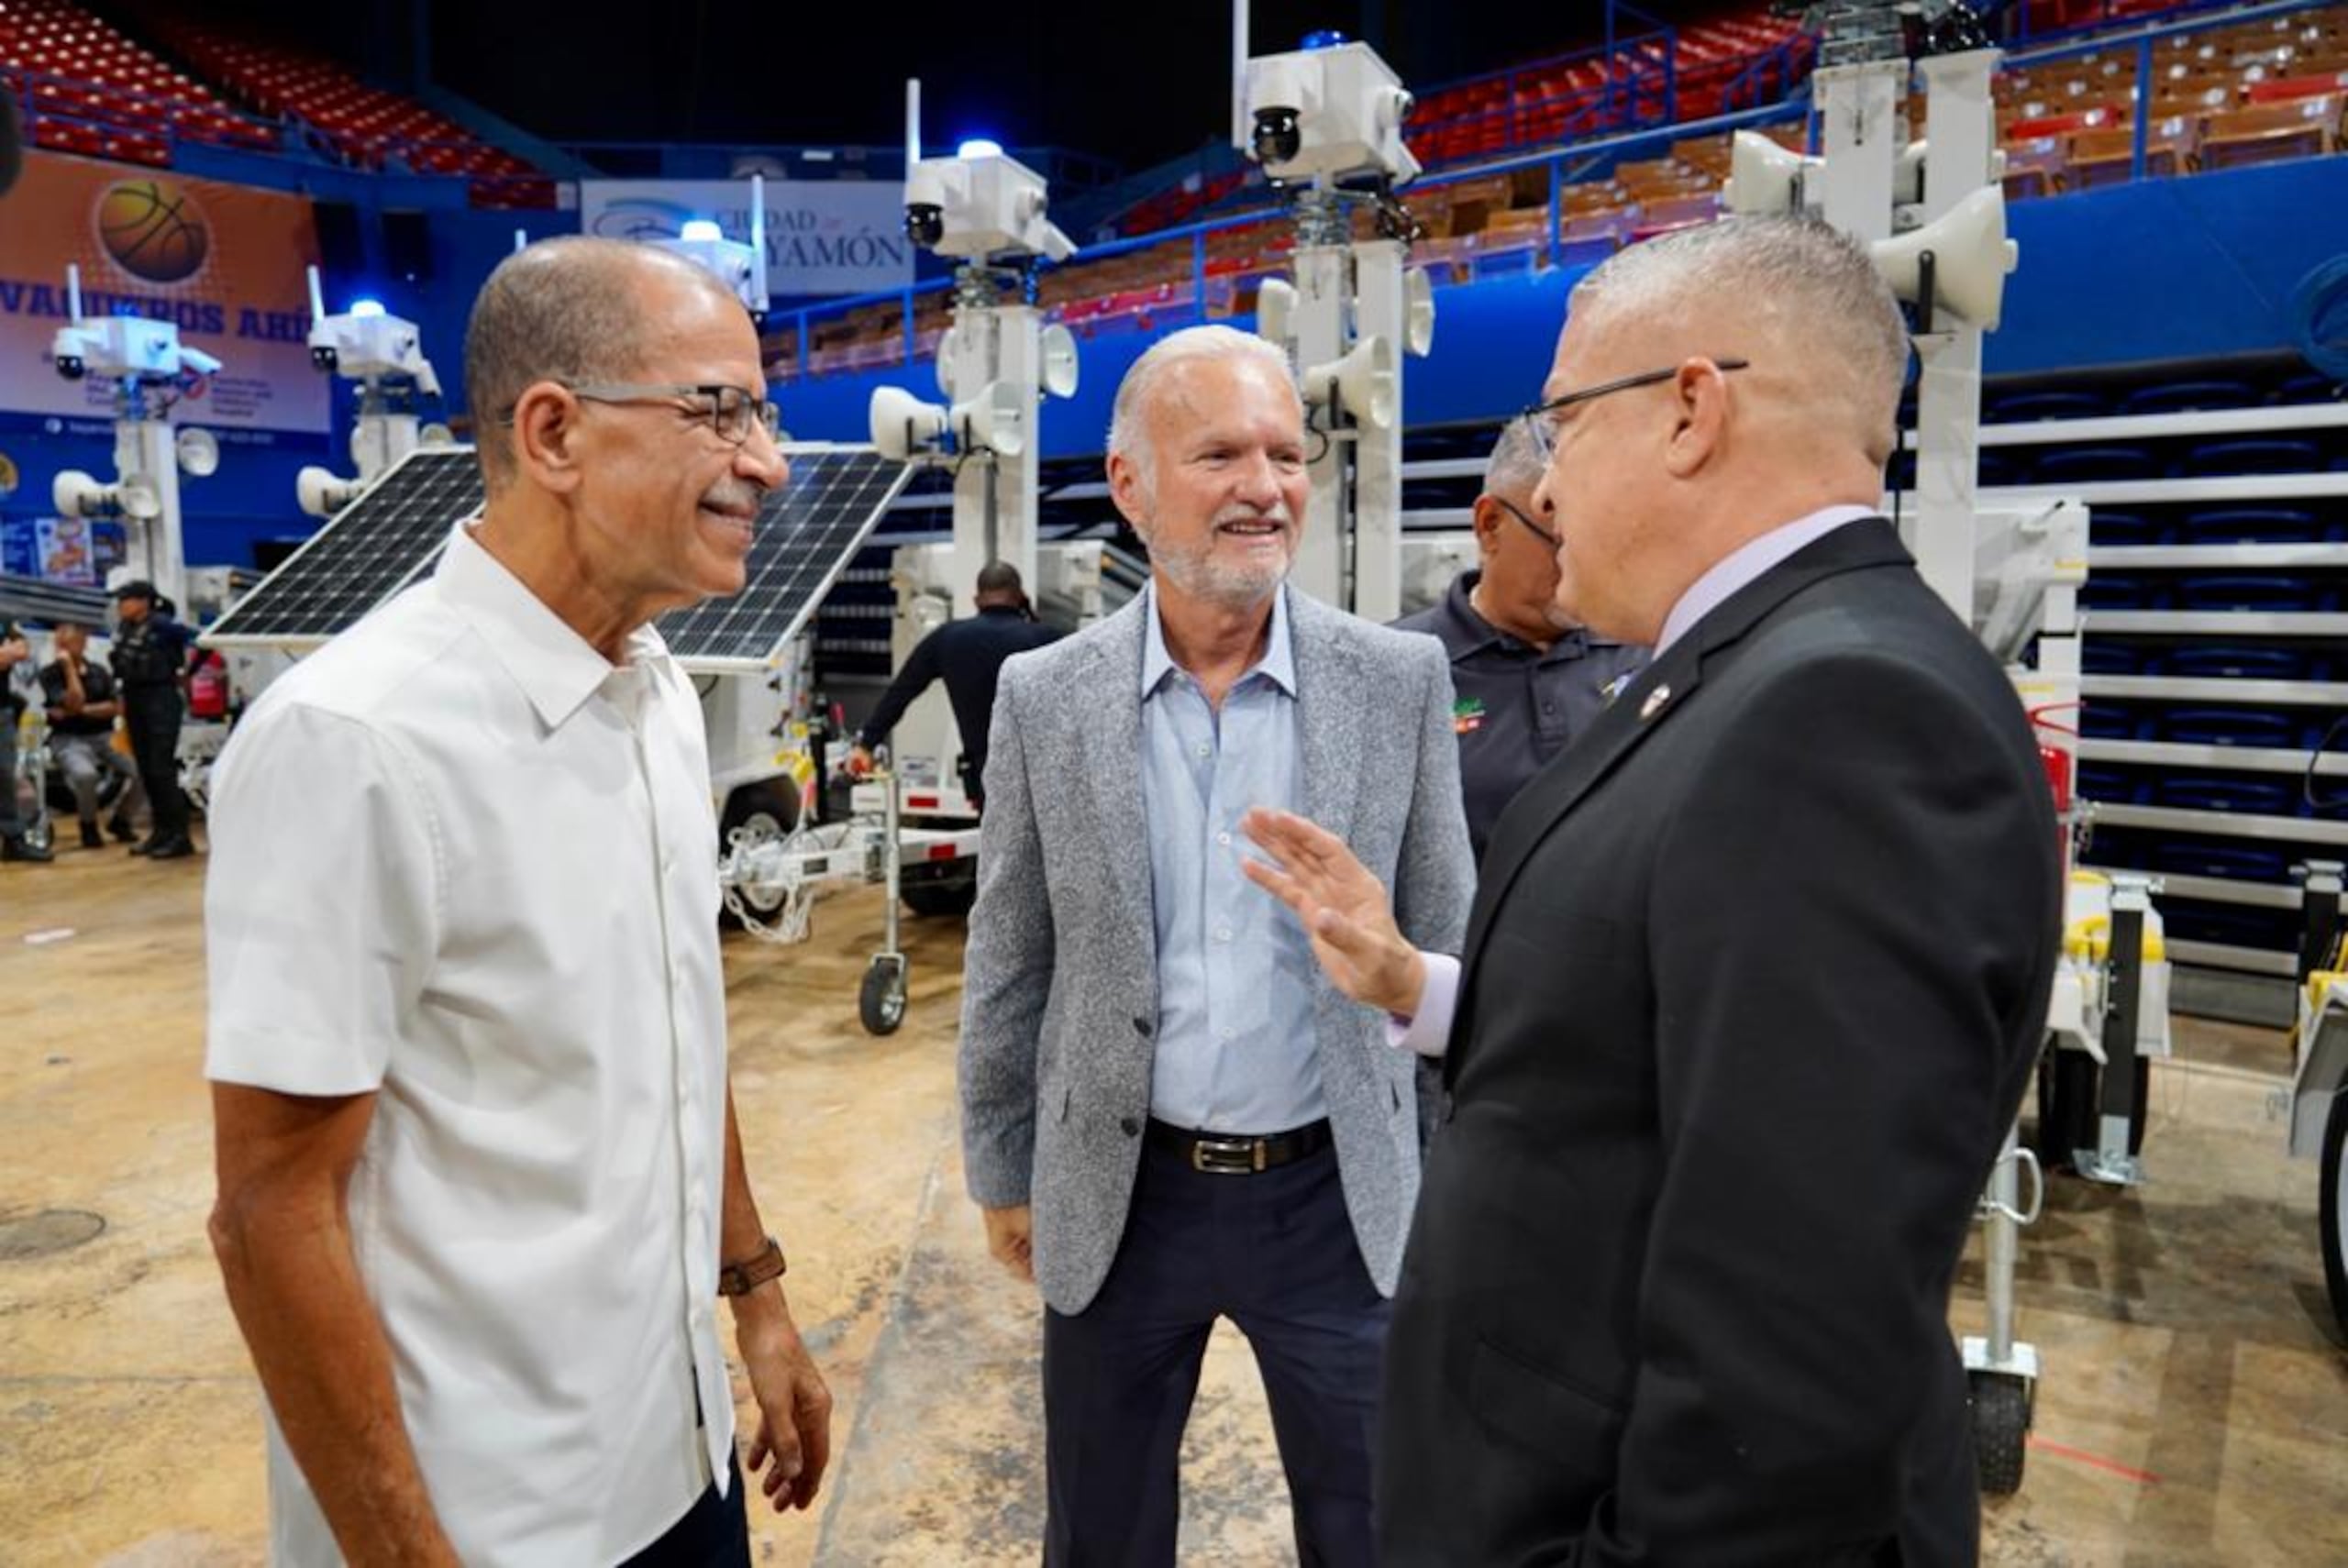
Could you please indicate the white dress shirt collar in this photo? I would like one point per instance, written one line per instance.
(556, 667)
(1747, 562)
(1279, 654)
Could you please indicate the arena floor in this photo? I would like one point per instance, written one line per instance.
(2194, 1408)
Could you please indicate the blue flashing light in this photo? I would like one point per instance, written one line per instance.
(366, 307)
(980, 147)
(700, 230)
(1323, 37)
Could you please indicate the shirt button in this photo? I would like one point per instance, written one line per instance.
(1226, 1031)
(1222, 933)
(1130, 1126)
(1205, 750)
(1224, 839)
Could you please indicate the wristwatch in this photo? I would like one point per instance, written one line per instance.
(741, 1278)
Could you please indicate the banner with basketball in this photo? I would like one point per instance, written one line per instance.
(222, 262)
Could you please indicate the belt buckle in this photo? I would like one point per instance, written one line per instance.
(1228, 1156)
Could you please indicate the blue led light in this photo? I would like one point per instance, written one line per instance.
(700, 230)
(980, 147)
(366, 307)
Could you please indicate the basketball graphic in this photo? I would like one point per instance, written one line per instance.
(153, 230)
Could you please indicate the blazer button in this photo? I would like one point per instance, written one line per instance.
(1141, 1027)
(1130, 1126)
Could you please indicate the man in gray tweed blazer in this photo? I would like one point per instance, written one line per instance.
(1169, 1115)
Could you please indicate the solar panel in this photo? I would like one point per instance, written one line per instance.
(807, 533)
(380, 542)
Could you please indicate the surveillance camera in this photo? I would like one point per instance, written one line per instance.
(69, 365)
(924, 223)
(1277, 139)
(324, 358)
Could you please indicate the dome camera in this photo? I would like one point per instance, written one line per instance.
(1277, 139)
(924, 223)
(324, 358)
(69, 365)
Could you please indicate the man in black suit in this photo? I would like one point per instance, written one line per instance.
(1755, 977)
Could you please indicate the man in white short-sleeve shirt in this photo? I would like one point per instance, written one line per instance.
(479, 1181)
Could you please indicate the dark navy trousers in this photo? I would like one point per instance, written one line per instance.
(1273, 1251)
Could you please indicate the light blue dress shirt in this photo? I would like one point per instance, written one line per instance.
(1235, 1039)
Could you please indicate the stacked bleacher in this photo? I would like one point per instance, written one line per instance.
(88, 89)
(2269, 89)
(360, 126)
(1741, 60)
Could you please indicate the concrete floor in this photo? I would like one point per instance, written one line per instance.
(2193, 1409)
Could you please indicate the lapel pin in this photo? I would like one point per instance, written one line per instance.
(1653, 704)
(1613, 687)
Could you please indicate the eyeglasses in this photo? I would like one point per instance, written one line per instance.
(1544, 428)
(730, 410)
(1544, 535)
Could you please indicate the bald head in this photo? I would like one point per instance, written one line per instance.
(1801, 300)
(573, 309)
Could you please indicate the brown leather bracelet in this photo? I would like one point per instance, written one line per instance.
(741, 1278)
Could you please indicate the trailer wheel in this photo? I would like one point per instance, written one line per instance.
(880, 1002)
(2001, 1414)
(763, 813)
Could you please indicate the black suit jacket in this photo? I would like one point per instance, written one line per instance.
(1754, 981)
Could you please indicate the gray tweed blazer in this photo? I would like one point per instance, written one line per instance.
(1060, 998)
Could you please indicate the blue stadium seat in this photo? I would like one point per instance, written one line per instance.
(2231, 924)
(2230, 726)
(2094, 465)
(2030, 407)
(2254, 526)
(2272, 592)
(2101, 656)
(2124, 591)
(2245, 861)
(2277, 797)
(2261, 455)
(2104, 721)
(2114, 786)
(2213, 661)
(2185, 397)
(2121, 529)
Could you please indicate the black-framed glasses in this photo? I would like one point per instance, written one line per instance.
(730, 410)
(1544, 535)
(1544, 428)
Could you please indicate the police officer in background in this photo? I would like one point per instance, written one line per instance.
(149, 656)
(1526, 679)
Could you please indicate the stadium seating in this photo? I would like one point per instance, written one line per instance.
(88, 89)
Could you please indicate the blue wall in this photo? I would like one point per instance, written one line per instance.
(2164, 270)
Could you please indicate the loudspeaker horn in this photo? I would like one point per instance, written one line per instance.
(902, 424)
(1418, 312)
(198, 452)
(993, 419)
(1362, 383)
(1762, 174)
(1059, 351)
(1274, 302)
(1971, 256)
(322, 493)
(75, 494)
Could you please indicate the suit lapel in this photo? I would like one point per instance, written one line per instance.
(1110, 724)
(1661, 690)
(1329, 716)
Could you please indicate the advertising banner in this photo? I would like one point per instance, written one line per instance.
(224, 263)
(824, 237)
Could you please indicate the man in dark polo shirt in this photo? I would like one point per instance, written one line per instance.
(1526, 681)
(14, 844)
(83, 705)
(967, 654)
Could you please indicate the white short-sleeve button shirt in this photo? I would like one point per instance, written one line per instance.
(461, 860)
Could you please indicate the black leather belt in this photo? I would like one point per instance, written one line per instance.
(1219, 1153)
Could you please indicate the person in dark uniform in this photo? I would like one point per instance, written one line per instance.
(150, 655)
(82, 704)
(969, 655)
(1526, 679)
(13, 651)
